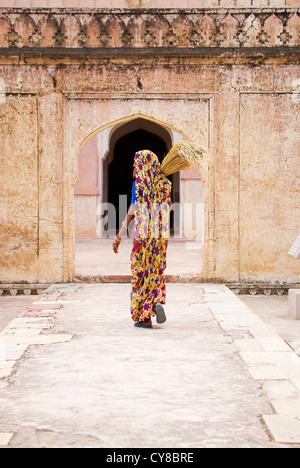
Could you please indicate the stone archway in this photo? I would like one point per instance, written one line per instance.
(105, 171)
(105, 167)
(84, 116)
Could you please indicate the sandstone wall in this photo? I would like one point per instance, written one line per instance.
(227, 78)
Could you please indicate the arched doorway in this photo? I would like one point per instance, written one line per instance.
(105, 173)
(120, 168)
(126, 140)
(107, 159)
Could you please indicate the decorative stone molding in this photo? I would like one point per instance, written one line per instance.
(13, 37)
(26, 289)
(262, 288)
(142, 28)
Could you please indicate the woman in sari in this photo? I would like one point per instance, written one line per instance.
(150, 207)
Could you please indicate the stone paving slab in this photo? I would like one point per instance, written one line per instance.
(268, 358)
(5, 438)
(284, 429)
(22, 332)
(215, 375)
(287, 408)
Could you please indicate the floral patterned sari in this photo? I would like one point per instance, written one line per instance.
(151, 233)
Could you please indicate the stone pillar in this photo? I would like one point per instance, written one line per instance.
(226, 213)
(50, 188)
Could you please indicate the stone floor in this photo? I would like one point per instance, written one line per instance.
(273, 310)
(95, 257)
(221, 372)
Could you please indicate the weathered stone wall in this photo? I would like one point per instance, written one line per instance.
(226, 78)
(151, 3)
(19, 187)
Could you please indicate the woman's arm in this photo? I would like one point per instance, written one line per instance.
(125, 225)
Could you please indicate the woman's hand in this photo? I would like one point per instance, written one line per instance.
(124, 227)
(116, 244)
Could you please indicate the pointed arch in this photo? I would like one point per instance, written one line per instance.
(117, 123)
(104, 155)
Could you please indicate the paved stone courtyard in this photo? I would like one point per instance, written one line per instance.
(76, 373)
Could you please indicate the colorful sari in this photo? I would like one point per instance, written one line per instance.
(151, 233)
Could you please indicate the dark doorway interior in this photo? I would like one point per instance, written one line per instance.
(121, 168)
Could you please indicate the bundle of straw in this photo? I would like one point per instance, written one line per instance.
(183, 155)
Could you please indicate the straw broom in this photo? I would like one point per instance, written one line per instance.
(186, 154)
